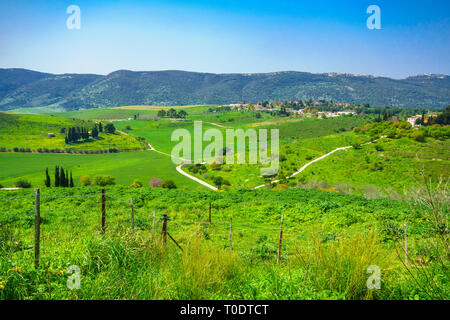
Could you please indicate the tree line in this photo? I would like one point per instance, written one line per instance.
(62, 178)
(172, 113)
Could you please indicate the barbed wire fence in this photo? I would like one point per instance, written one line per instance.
(113, 214)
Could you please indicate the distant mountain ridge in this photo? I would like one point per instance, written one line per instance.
(21, 88)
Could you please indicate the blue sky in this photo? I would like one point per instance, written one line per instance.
(227, 36)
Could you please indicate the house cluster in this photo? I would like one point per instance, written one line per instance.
(413, 119)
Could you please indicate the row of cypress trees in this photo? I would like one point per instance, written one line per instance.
(62, 178)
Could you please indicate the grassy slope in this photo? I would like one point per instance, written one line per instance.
(396, 167)
(30, 131)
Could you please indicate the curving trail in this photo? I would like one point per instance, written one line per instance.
(195, 179)
(315, 160)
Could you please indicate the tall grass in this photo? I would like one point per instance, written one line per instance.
(341, 265)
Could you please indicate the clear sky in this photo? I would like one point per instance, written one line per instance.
(227, 36)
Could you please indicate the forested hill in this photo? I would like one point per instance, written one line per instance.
(20, 88)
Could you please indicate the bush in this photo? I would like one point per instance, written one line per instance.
(136, 184)
(219, 181)
(155, 182)
(128, 127)
(418, 135)
(23, 184)
(85, 180)
(214, 166)
(379, 147)
(103, 180)
(169, 184)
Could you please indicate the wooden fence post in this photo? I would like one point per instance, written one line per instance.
(37, 227)
(132, 214)
(103, 210)
(406, 243)
(153, 224)
(209, 212)
(231, 228)
(164, 229)
(281, 240)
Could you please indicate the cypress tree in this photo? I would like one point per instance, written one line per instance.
(56, 176)
(62, 177)
(100, 127)
(71, 180)
(94, 132)
(47, 179)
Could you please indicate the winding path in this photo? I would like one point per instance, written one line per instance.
(315, 160)
(195, 179)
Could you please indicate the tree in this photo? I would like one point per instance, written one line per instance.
(109, 128)
(182, 114)
(71, 180)
(57, 176)
(47, 179)
(62, 178)
(161, 113)
(103, 180)
(172, 113)
(94, 132)
(100, 127)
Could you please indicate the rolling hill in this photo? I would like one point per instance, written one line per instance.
(21, 88)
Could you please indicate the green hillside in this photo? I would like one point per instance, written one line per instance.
(24, 89)
(30, 133)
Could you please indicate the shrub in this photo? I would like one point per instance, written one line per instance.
(418, 135)
(1, 186)
(136, 184)
(169, 184)
(214, 166)
(280, 187)
(128, 127)
(85, 180)
(379, 147)
(103, 180)
(155, 182)
(23, 184)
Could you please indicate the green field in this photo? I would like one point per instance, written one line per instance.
(125, 167)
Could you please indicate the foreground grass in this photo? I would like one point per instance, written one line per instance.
(327, 246)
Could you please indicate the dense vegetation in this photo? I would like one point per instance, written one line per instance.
(23, 88)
